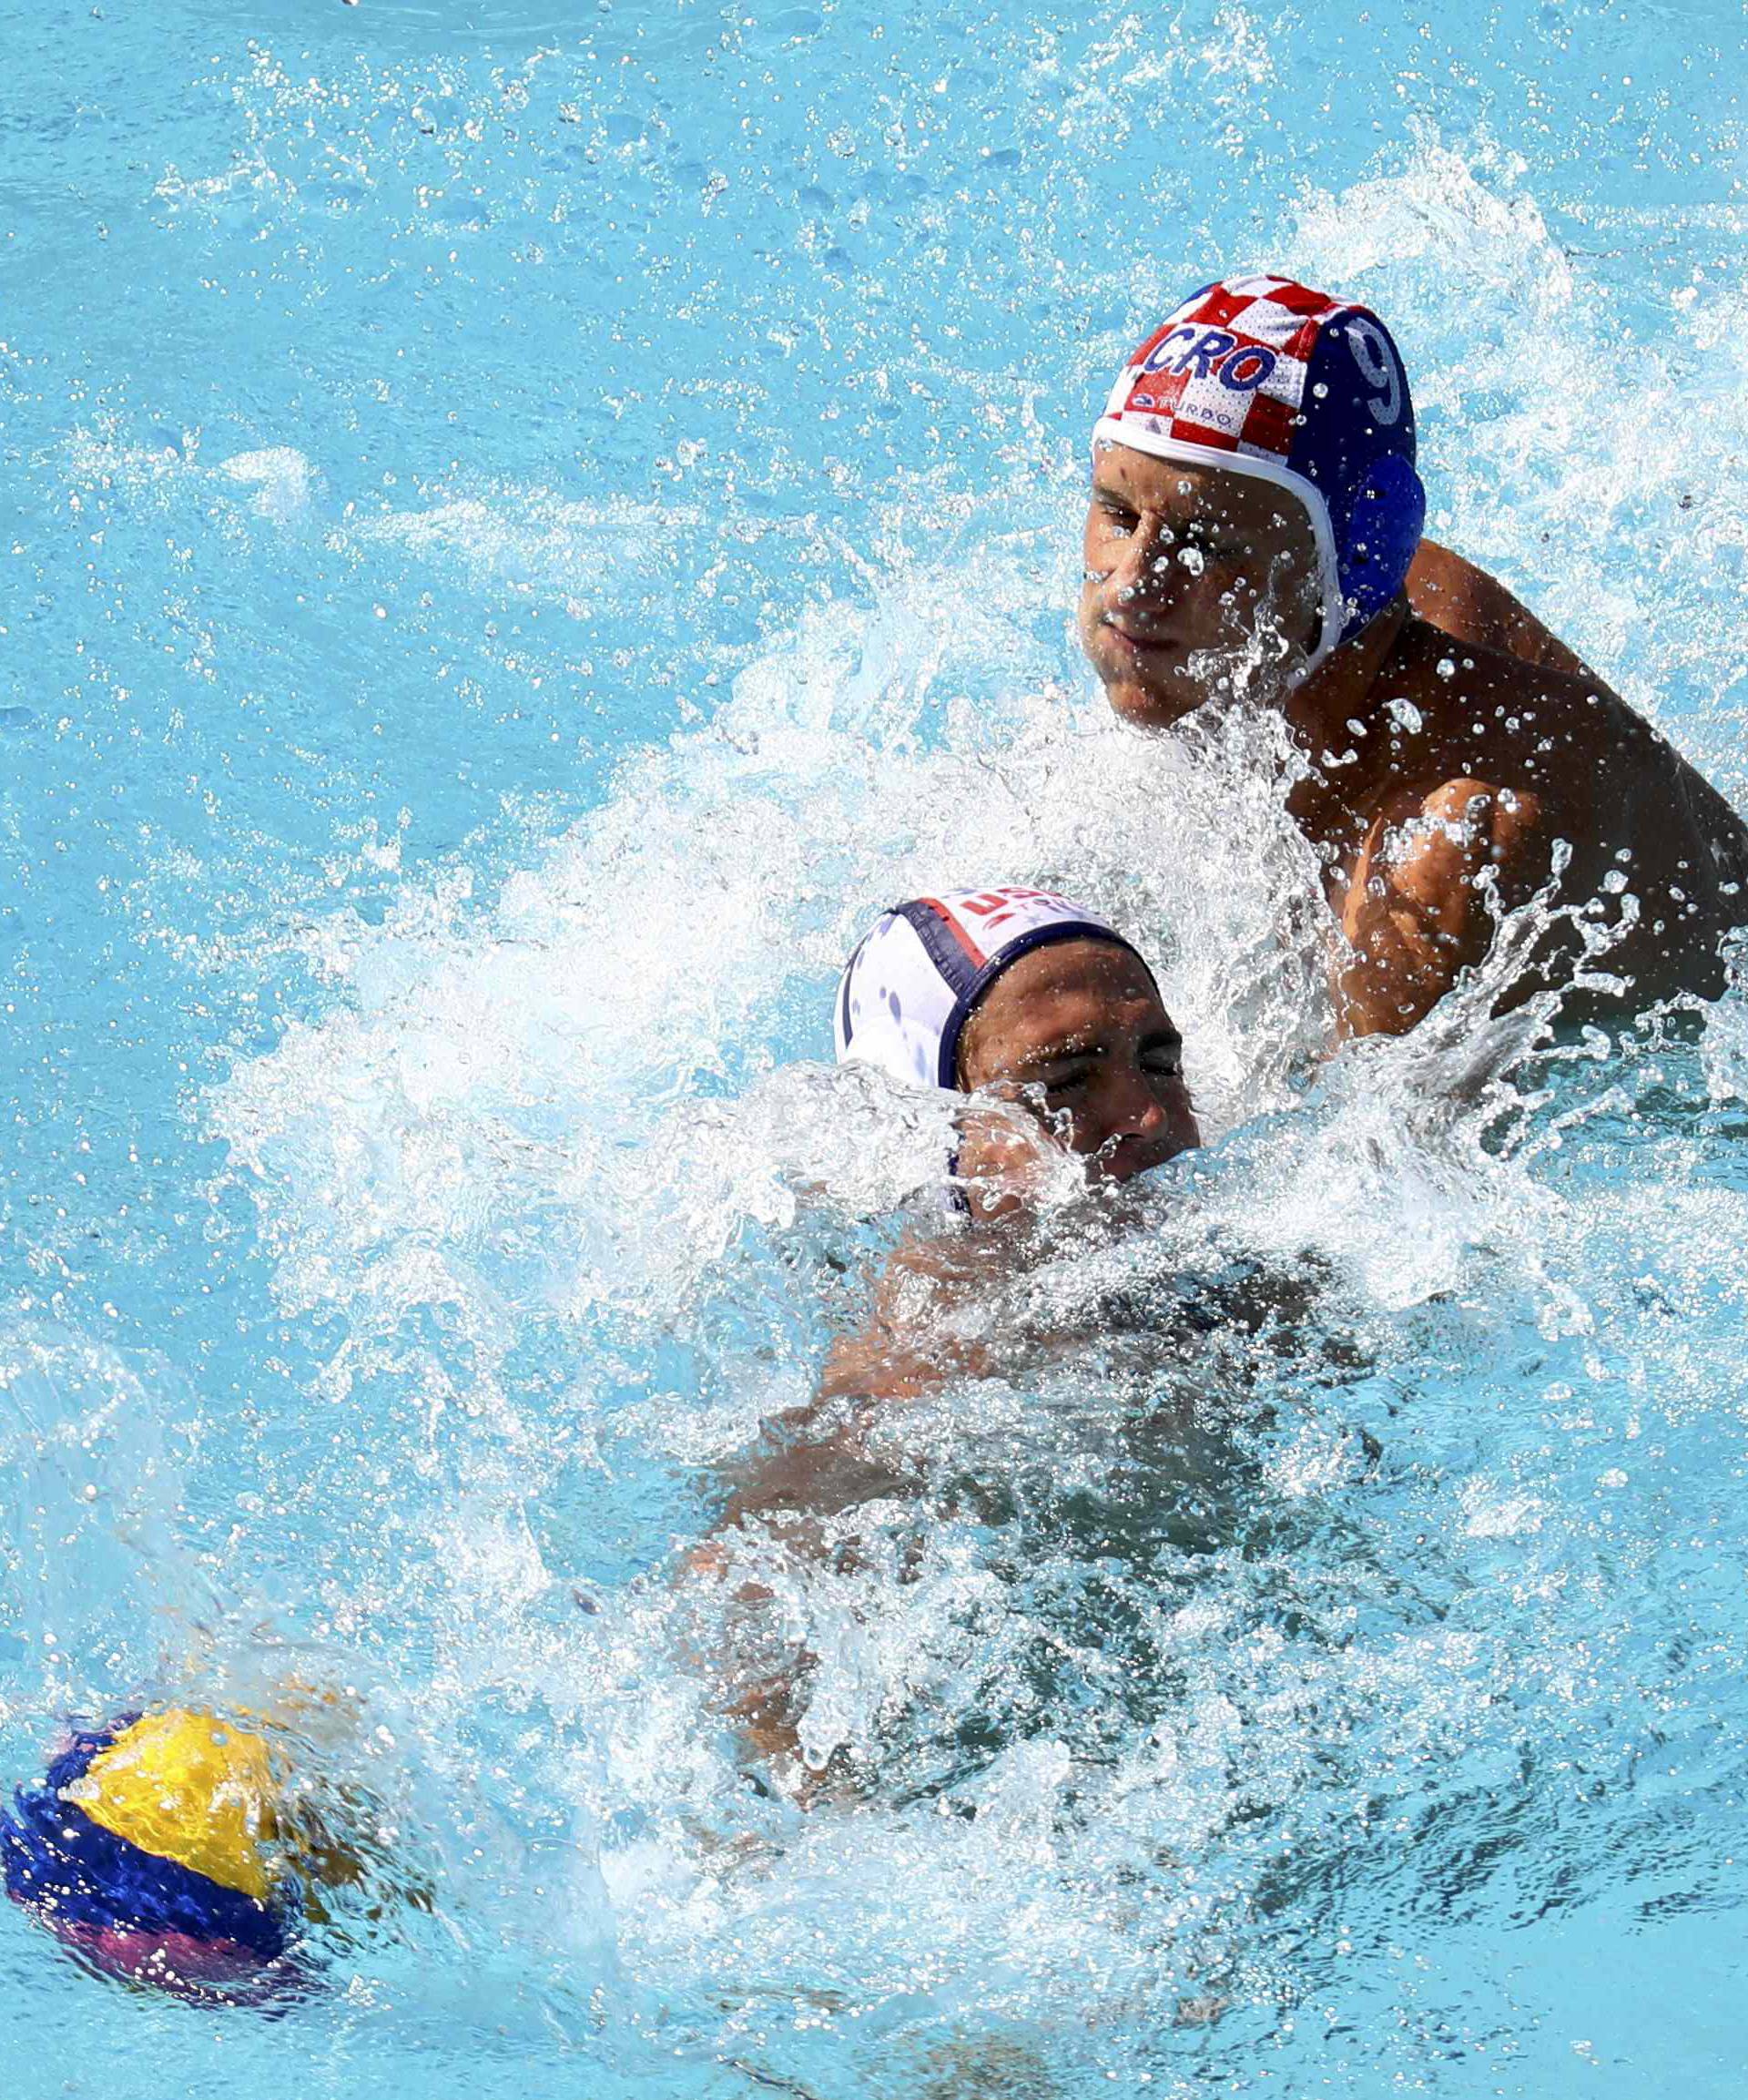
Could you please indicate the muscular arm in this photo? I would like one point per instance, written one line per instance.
(1419, 909)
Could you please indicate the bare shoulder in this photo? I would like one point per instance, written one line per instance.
(1475, 609)
(1496, 717)
(1592, 767)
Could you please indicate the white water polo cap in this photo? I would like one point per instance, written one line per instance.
(914, 980)
(1263, 377)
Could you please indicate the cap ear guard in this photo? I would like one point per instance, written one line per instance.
(1382, 532)
(1358, 442)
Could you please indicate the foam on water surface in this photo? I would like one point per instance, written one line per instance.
(565, 537)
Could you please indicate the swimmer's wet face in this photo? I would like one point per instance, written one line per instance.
(1076, 1031)
(1193, 575)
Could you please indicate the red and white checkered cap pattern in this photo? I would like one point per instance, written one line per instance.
(1197, 407)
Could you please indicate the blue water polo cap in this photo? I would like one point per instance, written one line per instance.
(1264, 377)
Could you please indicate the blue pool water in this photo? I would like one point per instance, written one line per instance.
(520, 529)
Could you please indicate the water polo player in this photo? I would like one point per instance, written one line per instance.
(1050, 1024)
(1255, 529)
(1021, 997)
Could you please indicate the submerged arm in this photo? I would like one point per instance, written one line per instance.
(792, 1502)
(812, 1468)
